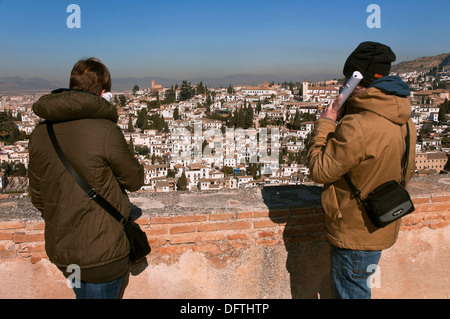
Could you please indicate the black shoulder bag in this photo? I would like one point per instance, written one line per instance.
(139, 246)
(391, 200)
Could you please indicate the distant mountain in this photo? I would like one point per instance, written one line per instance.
(17, 84)
(422, 64)
(446, 61)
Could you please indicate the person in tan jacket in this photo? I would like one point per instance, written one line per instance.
(77, 230)
(368, 142)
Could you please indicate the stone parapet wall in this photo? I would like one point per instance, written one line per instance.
(259, 243)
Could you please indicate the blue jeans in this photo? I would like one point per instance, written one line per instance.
(350, 271)
(107, 290)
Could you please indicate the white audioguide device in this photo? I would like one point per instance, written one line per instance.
(350, 86)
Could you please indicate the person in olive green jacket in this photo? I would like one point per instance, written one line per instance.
(368, 142)
(77, 230)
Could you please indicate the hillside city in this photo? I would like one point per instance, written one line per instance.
(196, 138)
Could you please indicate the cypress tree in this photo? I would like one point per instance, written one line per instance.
(176, 114)
(182, 182)
(131, 146)
(297, 120)
(249, 116)
(258, 106)
(241, 118)
(130, 124)
(443, 110)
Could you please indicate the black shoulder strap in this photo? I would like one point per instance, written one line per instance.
(405, 165)
(357, 193)
(90, 191)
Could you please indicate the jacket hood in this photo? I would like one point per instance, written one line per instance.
(68, 105)
(392, 85)
(386, 97)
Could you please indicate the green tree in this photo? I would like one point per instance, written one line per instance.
(182, 182)
(240, 119)
(425, 131)
(306, 142)
(230, 89)
(248, 121)
(309, 117)
(135, 89)
(20, 169)
(170, 173)
(227, 170)
(9, 132)
(446, 143)
(142, 119)
(186, 91)
(131, 146)
(151, 105)
(7, 168)
(170, 95)
(443, 110)
(157, 122)
(258, 106)
(297, 121)
(254, 170)
(263, 122)
(200, 88)
(208, 100)
(13, 169)
(142, 150)
(122, 100)
(130, 124)
(176, 114)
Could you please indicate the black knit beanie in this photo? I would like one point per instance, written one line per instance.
(372, 59)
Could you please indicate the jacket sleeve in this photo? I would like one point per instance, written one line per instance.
(35, 183)
(127, 169)
(334, 150)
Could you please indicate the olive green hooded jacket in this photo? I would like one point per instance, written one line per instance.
(77, 230)
(369, 144)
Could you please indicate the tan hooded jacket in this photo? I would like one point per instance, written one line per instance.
(77, 230)
(369, 143)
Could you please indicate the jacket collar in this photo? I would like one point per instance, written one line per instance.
(68, 105)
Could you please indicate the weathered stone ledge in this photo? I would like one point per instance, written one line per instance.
(229, 201)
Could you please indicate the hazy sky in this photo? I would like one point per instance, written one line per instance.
(196, 38)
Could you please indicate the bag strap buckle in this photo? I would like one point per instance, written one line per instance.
(357, 194)
(92, 193)
(124, 221)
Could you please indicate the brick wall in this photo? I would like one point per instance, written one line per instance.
(217, 243)
(212, 233)
(431, 211)
(24, 240)
(175, 235)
